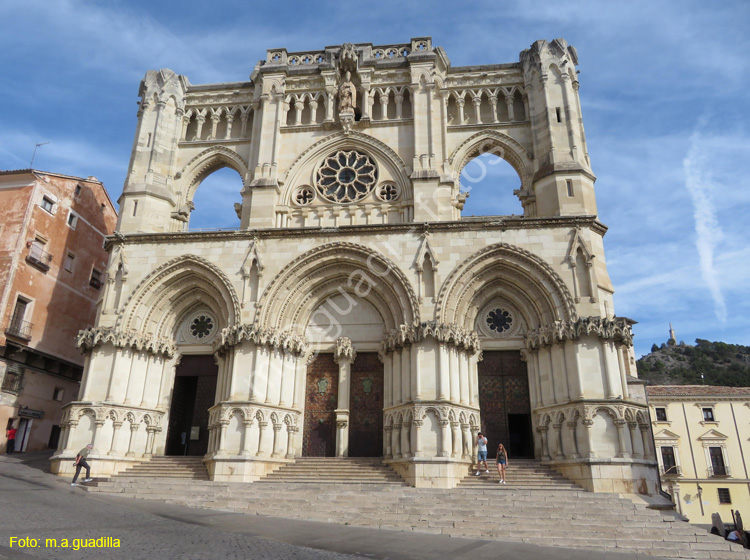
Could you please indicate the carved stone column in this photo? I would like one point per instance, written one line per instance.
(344, 356)
(72, 425)
(133, 431)
(298, 107)
(493, 104)
(150, 436)
(633, 426)
(247, 425)
(509, 105)
(98, 425)
(542, 431)
(276, 440)
(416, 439)
(383, 106)
(560, 454)
(113, 445)
(399, 105)
(466, 441)
(455, 440)
(572, 427)
(589, 446)
(290, 433)
(222, 437)
(396, 441)
(230, 120)
(460, 102)
(621, 439)
(445, 435)
(387, 435)
(405, 444)
(261, 439)
(477, 109)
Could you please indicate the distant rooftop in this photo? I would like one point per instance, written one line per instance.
(696, 390)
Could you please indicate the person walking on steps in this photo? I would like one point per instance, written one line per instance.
(502, 462)
(82, 464)
(481, 453)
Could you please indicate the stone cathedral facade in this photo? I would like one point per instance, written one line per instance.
(354, 312)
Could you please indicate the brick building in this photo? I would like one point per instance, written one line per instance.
(52, 265)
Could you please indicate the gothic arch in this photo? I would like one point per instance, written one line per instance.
(290, 299)
(503, 270)
(163, 296)
(205, 163)
(384, 155)
(498, 144)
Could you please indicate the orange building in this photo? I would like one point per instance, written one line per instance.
(52, 266)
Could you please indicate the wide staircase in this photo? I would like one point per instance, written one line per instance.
(167, 467)
(537, 506)
(524, 474)
(335, 470)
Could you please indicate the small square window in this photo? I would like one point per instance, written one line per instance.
(69, 261)
(724, 496)
(58, 394)
(708, 415)
(78, 190)
(72, 220)
(48, 204)
(96, 279)
(661, 414)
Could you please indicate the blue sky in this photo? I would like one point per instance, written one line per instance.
(664, 93)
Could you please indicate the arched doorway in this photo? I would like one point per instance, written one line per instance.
(193, 394)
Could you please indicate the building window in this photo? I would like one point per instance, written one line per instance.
(48, 204)
(58, 393)
(69, 261)
(669, 465)
(37, 254)
(96, 279)
(661, 414)
(78, 190)
(724, 496)
(13, 380)
(19, 326)
(708, 414)
(72, 220)
(718, 466)
(569, 184)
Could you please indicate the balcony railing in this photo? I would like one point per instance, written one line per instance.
(20, 329)
(719, 470)
(671, 471)
(94, 283)
(39, 257)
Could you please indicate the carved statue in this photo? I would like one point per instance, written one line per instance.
(347, 94)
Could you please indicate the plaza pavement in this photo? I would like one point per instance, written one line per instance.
(34, 503)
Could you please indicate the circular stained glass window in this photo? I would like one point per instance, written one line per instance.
(201, 326)
(346, 176)
(499, 320)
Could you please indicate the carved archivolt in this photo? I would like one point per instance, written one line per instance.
(586, 413)
(451, 334)
(451, 413)
(250, 414)
(616, 329)
(168, 283)
(114, 413)
(330, 269)
(271, 337)
(90, 338)
(522, 277)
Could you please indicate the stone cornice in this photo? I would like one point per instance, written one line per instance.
(452, 335)
(273, 338)
(90, 338)
(502, 223)
(617, 329)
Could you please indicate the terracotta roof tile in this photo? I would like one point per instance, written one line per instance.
(696, 390)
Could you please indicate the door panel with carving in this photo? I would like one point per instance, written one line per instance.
(366, 406)
(321, 401)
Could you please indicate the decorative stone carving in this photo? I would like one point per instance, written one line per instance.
(454, 335)
(273, 338)
(344, 350)
(617, 329)
(90, 338)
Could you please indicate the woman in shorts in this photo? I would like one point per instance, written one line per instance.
(502, 462)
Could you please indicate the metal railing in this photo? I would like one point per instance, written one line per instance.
(20, 329)
(38, 257)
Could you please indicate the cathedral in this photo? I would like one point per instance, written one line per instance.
(355, 312)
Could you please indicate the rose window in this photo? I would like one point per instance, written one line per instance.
(201, 326)
(346, 176)
(499, 320)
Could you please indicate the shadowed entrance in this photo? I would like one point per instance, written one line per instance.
(504, 402)
(321, 400)
(366, 406)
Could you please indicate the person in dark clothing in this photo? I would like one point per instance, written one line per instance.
(81, 463)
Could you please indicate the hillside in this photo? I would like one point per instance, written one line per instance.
(722, 364)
